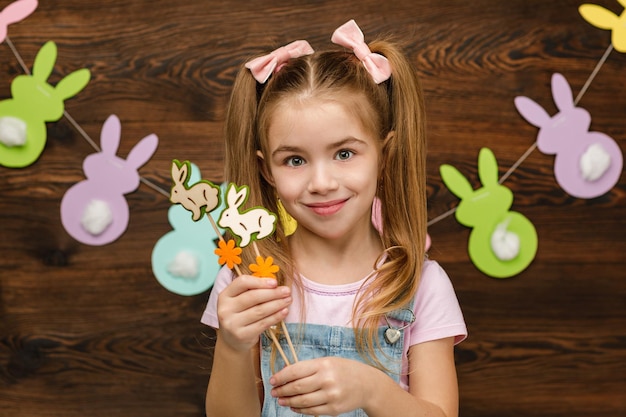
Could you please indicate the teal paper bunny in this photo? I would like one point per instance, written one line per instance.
(183, 261)
(23, 118)
(502, 242)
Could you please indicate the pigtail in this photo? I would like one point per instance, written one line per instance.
(403, 173)
(402, 190)
(240, 130)
(243, 166)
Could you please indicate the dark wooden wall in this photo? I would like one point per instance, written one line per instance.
(89, 331)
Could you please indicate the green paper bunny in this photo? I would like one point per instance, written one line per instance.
(23, 118)
(502, 242)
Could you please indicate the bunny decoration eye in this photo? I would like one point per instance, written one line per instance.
(602, 18)
(502, 243)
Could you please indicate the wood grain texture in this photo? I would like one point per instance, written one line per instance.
(89, 331)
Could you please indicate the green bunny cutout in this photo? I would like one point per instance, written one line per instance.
(502, 243)
(34, 102)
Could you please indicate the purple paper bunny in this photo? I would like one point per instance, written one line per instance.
(587, 164)
(95, 211)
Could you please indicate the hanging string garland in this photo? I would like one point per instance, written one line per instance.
(587, 164)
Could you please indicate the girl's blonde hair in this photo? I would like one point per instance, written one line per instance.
(394, 111)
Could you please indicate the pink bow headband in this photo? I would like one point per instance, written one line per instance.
(348, 35)
(263, 66)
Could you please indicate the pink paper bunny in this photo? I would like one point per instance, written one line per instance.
(587, 164)
(13, 13)
(95, 211)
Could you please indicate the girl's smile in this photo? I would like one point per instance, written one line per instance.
(327, 208)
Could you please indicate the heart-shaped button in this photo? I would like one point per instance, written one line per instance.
(392, 335)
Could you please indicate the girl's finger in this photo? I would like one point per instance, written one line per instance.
(246, 282)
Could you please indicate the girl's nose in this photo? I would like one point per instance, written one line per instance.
(322, 180)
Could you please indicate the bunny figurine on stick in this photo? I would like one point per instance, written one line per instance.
(247, 225)
(202, 197)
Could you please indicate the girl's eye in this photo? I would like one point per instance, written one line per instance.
(294, 161)
(344, 154)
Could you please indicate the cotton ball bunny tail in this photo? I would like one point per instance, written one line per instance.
(96, 217)
(12, 131)
(594, 162)
(505, 244)
(184, 265)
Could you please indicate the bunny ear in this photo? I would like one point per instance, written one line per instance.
(72, 84)
(598, 16)
(237, 196)
(17, 11)
(531, 111)
(455, 181)
(179, 171)
(487, 167)
(44, 61)
(562, 92)
(194, 173)
(110, 135)
(143, 151)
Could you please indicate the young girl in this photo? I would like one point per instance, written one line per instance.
(324, 137)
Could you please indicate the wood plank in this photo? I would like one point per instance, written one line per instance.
(90, 330)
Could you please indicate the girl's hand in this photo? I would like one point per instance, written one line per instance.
(248, 307)
(324, 386)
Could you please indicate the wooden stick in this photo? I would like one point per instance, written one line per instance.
(280, 349)
(282, 323)
(291, 348)
(256, 249)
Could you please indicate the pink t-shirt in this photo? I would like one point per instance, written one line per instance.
(437, 311)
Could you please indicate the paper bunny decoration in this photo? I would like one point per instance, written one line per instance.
(254, 224)
(502, 243)
(202, 197)
(95, 211)
(587, 164)
(23, 118)
(606, 19)
(13, 13)
(182, 260)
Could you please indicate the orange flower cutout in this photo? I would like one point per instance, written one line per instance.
(228, 253)
(264, 268)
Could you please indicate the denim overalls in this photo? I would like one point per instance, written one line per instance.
(319, 341)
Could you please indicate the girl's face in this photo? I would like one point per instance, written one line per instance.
(324, 165)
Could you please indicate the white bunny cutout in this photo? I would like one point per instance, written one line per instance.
(587, 164)
(254, 224)
(95, 211)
